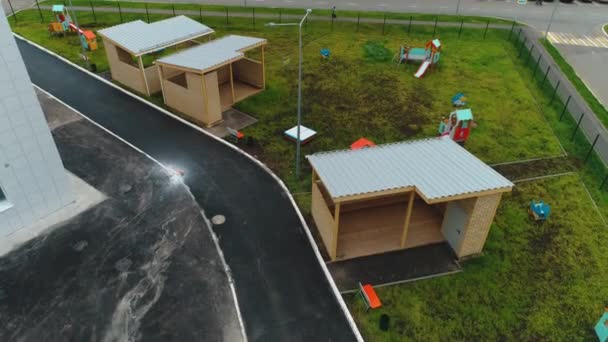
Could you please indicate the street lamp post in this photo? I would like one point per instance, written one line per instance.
(551, 19)
(298, 142)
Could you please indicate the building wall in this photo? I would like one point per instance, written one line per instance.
(186, 100)
(153, 79)
(323, 218)
(479, 224)
(249, 71)
(32, 176)
(122, 72)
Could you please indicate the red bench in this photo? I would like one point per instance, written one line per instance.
(369, 296)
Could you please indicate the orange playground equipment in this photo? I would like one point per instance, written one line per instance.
(64, 24)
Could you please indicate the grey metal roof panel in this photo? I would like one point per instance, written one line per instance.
(210, 55)
(437, 167)
(139, 37)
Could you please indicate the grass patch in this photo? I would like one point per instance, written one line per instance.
(348, 96)
(580, 86)
(535, 282)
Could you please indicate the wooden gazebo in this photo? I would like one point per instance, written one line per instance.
(403, 195)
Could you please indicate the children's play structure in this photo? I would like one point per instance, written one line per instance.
(324, 53)
(427, 56)
(64, 24)
(457, 126)
(362, 143)
(459, 100)
(203, 81)
(601, 328)
(402, 195)
(126, 44)
(539, 211)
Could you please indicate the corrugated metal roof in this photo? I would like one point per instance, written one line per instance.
(210, 55)
(139, 37)
(437, 167)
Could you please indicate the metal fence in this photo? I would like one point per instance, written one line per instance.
(562, 95)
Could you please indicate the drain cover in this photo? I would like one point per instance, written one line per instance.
(218, 219)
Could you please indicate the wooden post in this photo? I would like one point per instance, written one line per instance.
(161, 76)
(232, 84)
(408, 215)
(143, 74)
(334, 248)
(263, 70)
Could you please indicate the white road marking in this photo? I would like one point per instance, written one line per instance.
(578, 40)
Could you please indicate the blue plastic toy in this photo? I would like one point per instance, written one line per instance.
(325, 53)
(601, 328)
(459, 100)
(539, 211)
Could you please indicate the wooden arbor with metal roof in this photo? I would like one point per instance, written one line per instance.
(205, 80)
(126, 45)
(403, 195)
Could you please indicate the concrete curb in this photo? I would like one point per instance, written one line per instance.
(313, 244)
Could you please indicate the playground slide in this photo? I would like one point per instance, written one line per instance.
(423, 68)
(73, 27)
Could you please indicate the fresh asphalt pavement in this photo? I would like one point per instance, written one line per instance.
(282, 291)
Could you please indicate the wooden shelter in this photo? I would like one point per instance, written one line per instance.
(126, 45)
(403, 195)
(205, 80)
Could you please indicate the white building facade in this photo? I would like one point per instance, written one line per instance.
(33, 181)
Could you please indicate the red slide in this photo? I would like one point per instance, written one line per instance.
(73, 28)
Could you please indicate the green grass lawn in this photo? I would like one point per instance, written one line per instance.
(360, 92)
(578, 83)
(535, 282)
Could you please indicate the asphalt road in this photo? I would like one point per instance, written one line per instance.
(282, 291)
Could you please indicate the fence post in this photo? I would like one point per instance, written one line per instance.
(173, 8)
(147, 13)
(519, 34)
(591, 149)
(93, 11)
(119, 11)
(577, 125)
(523, 44)
(200, 13)
(253, 16)
(565, 107)
(486, 31)
(536, 66)
(603, 182)
(383, 23)
(545, 78)
(226, 15)
(530, 53)
(511, 32)
(409, 28)
(13, 11)
(40, 12)
(358, 20)
(434, 28)
(555, 92)
(460, 30)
